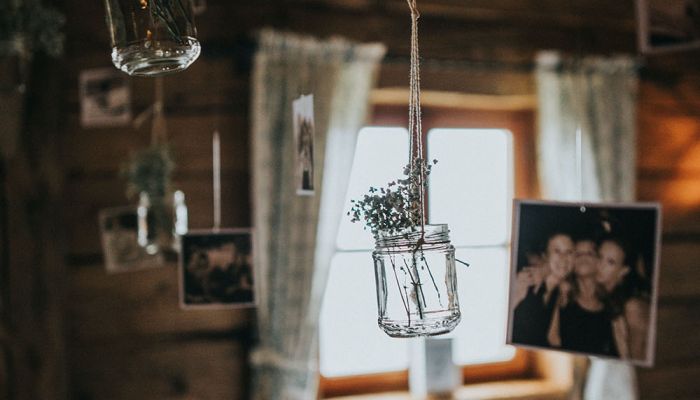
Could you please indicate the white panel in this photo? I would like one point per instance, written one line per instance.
(471, 187)
(351, 342)
(483, 298)
(380, 156)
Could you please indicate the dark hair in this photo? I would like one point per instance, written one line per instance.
(573, 281)
(632, 285)
(585, 237)
(623, 244)
(552, 235)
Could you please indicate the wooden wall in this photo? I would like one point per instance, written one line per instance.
(669, 171)
(126, 337)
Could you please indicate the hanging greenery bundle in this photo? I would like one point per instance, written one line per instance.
(27, 26)
(168, 11)
(148, 175)
(149, 171)
(397, 207)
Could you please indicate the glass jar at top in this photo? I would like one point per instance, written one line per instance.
(152, 37)
(416, 282)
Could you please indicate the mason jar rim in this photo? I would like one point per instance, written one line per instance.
(434, 235)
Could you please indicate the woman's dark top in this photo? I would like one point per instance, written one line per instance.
(586, 331)
(532, 317)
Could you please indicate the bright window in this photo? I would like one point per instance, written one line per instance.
(471, 189)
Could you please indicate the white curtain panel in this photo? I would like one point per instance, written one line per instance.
(599, 96)
(295, 235)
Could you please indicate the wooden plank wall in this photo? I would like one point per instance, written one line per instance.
(669, 171)
(126, 337)
(32, 344)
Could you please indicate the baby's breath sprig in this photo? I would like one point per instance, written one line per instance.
(396, 207)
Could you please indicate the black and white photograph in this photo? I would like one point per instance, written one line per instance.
(303, 108)
(119, 234)
(105, 98)
(584, 278)
(216, 269)
(668, 25)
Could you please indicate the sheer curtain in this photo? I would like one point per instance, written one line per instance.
(295, 235)
(599, 95)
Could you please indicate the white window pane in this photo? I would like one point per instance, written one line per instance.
(471, 187)
(351, 342)
(380, 156)
(480, 336)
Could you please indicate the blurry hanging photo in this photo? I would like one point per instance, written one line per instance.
(216, 269)
(119, 233)
(668, 25)
(584, 278)
(105, 98)
(303, 111)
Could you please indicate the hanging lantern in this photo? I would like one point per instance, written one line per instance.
(152, 37)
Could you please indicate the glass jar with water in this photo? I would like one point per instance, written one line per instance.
(152, 37)
(416, 282)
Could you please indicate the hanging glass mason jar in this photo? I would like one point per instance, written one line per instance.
(161, 222)
(152, 37)
(416, 283)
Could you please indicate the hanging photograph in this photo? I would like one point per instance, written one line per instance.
(584, 278)
(105, 98)
(216, 269)
(668, 25)
(303, 111)
(119, 233)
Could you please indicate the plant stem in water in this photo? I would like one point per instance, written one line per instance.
(432, 278)
(398, 285)
(417, 286)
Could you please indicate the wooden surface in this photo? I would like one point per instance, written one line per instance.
(126, 338)
(668, 160)
(32, 341)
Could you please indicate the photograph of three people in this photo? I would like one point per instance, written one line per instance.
(584, 278)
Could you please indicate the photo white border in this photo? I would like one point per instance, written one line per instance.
(181, 271)
(158, 260)
(88, 120)
(651, 338)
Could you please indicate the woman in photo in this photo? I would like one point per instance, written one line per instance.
(628, 298)
(582, 320)
(537, 291)
(195, 273)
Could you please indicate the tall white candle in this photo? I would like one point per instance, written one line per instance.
(216, 167)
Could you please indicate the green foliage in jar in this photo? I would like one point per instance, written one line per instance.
(149, 171)
(397, 207)
(169, 11)
(27, 26)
